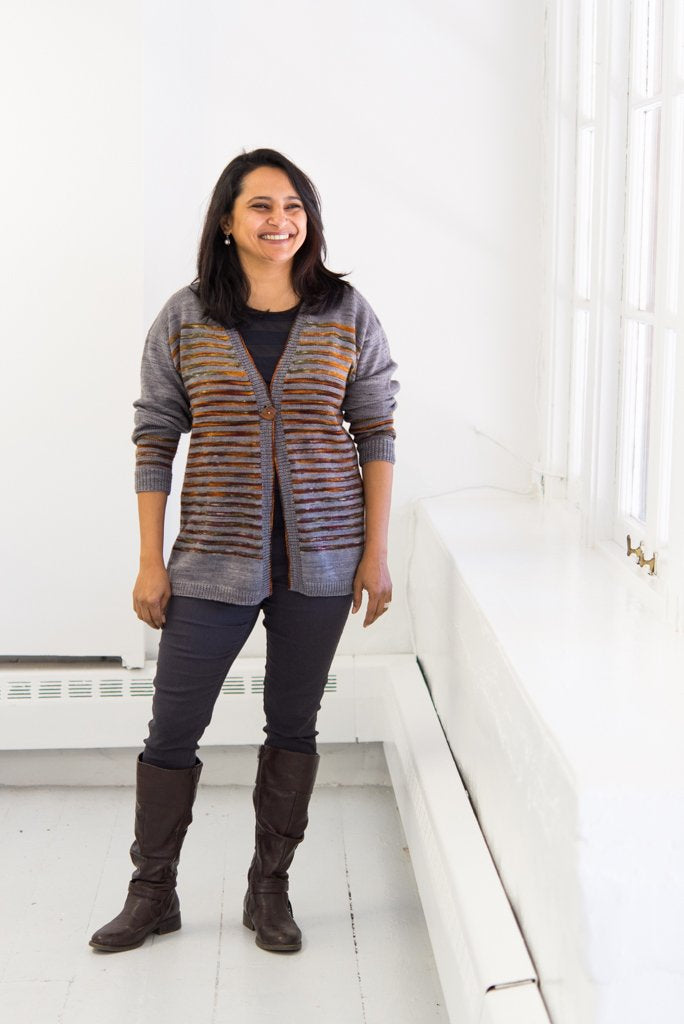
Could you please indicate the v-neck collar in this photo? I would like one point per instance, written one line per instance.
(260, 386)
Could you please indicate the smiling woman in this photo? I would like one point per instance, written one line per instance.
(263, 357)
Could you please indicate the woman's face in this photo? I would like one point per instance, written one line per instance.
(266, 206)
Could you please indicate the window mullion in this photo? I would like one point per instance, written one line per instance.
(562, 134)
(601, 412)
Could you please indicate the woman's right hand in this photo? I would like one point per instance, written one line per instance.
(151, 595)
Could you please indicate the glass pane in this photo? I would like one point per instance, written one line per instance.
(643, 204)
(667, 426)
(648, 46)
(676, 185)
(585, 188)
(587, 59)
(578, 382)
(636, 405)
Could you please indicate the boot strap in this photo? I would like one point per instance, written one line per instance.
(266, 885)
(152, 892)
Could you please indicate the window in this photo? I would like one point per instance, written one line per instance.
(616, 395)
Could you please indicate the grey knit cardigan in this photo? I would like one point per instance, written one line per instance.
(199, 376)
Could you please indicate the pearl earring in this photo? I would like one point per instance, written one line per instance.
(227, 240)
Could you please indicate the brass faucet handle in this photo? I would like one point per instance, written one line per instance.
(634, 551)
(638, 551)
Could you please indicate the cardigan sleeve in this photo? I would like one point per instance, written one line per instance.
(369, 401)
(162, 412)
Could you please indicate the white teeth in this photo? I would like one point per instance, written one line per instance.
(275, 237)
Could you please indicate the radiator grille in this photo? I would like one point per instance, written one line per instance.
(34, 685)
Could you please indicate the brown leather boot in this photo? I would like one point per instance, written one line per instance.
(163, 812)
(284, 783)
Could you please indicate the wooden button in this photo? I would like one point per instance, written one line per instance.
(268, 412)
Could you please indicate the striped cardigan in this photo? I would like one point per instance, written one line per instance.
(198, 376)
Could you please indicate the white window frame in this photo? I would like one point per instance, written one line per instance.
(592, 391)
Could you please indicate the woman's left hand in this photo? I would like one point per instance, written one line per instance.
(372, 575)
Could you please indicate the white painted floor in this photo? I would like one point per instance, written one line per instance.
(366, 955)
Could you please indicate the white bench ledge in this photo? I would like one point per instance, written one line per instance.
(476, 941)
(562, 698)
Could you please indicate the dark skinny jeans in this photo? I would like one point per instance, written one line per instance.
(200, 641)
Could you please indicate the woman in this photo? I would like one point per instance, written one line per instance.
(263, 356)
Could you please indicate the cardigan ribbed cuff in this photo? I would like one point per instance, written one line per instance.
(152, 478)
(380, 447)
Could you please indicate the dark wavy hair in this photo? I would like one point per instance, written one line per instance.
(221, 284)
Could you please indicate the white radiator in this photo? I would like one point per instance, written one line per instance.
(67, 707)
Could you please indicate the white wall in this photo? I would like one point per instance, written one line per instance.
(72, 315)
(421, 125)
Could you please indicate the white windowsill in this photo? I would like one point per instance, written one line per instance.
(598, 662)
